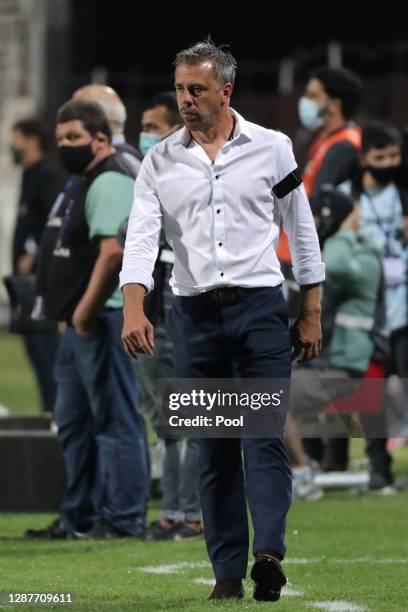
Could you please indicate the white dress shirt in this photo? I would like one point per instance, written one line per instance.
(221, 219)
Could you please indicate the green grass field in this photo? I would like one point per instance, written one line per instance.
(18, 389)
(346, 552)
(345, 549)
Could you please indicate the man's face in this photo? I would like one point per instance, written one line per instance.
(154, 121)
(18, 140)
(315, 91)
(72, 134)
(386, 157)
(200, 96)
(20, 145)
(80, 151)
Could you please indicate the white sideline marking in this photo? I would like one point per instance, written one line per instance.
(296, 561)
(175, 568)
(336, 606)
(286, 591)
(172, 568)
(357, 560)
(368, 560)
(205, 581)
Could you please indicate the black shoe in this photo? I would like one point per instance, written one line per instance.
(159, 533)
(54, 531)
(228, 589)
(379, 480)
(268, 577)
(103, 530)
(381, 483)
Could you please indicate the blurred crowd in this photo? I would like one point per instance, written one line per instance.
(67, 248)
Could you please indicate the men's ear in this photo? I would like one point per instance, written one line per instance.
(335, 105)
(227, 90)
(101, 137)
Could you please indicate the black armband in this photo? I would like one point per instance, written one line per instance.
(288, 184)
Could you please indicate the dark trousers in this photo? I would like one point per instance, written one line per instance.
(249, 339)
(101, 433)
(42, 351)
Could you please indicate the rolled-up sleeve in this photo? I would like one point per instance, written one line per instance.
(298, 223)
(142, 238)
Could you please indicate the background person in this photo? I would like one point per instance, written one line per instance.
(160, 118)
(41, 181)
(100, 431)
(116, 114)
(349, 316)
(180, 513)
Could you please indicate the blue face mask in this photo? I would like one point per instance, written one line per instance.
(309, 116)
(147, 141)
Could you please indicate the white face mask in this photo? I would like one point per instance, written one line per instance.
(309, 114)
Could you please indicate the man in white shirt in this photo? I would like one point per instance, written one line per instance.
(219, 187)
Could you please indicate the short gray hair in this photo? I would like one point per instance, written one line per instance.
(115, 111)
(111, 103)
(223, 63)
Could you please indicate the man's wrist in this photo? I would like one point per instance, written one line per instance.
(310, 300)
(82, 314)
(310, 310)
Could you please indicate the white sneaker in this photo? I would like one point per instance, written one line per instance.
(304, 486)
(4, 411)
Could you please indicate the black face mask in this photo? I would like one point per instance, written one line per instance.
(383, 175)
(17, 155)
(76, 159)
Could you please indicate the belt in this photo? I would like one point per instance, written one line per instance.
(224, 296)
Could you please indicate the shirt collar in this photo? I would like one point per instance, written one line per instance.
(241, 130)
(118, 139)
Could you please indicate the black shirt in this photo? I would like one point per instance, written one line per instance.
(40, 186)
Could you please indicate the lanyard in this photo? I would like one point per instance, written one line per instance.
(381, 224)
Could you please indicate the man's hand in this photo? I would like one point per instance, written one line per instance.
(83, 325)
(138, 335)
(25, 263)
(62, 327)
(306, 332)
(138, 332)
(352, 221)
(306, 337)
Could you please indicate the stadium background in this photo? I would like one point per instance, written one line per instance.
(50, 47)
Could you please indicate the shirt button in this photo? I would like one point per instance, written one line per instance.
(217, 176)
(220, 244)
(222, 273)
(218, 211)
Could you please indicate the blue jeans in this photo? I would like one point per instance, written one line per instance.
(249, 339)
(42, 350)
(100, 431)
(180, 500)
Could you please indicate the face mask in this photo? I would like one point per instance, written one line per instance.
(76, 159)
(308, 111)
(147, 141)
(17, 155)
(383, 176)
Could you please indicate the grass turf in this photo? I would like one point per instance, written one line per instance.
(18, 388)
(342, 548)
